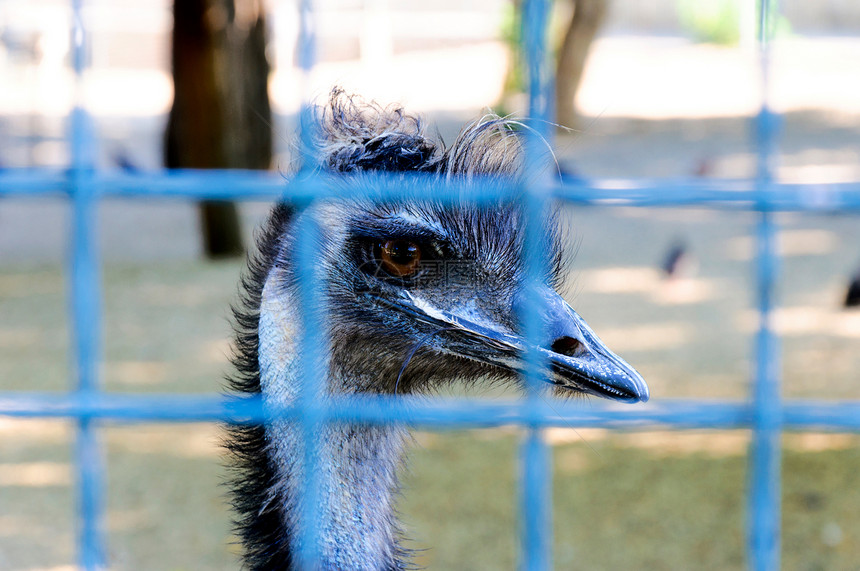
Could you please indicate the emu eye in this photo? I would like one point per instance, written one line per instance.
(400, 258)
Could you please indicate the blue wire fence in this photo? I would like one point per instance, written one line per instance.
(764, 412)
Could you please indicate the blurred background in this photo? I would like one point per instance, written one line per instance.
(664, 88)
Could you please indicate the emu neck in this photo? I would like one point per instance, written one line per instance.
(357, 467)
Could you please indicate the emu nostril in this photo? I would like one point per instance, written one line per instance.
(567, 346)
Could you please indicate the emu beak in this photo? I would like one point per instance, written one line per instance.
(578, 358)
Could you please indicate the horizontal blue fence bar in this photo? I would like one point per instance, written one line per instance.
(450, 412)
(258, 185)
(715, 193)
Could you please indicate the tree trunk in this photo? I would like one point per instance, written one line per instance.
(588, 16)
(221, 116)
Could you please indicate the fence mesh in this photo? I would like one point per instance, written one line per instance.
(764, 411)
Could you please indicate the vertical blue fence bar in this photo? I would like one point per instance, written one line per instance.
(85, 298)
(306, 59)
(764, 494)
(535, 457)
(312, 392)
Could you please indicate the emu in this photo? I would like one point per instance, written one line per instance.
(393, 323)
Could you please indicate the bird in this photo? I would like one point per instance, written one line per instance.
(675, 259)
(415, 295)
(122, 158)
(852, 293)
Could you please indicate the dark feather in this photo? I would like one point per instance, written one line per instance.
(253, 476)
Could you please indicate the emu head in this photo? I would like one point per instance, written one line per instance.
(417, 292)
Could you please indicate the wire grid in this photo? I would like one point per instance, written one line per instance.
(764, 412)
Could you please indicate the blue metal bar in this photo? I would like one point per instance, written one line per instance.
(312, 394)
(85, 300)
(306, 60)
(90, 490)
(535, 458)
(713, 194)
(730, 194)
(311, 400)
(443, 412)
(84, 270)
(307, 38)
(534, 47)
(765, 457)
(764, 498)
(536, 494)
(33, 183)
